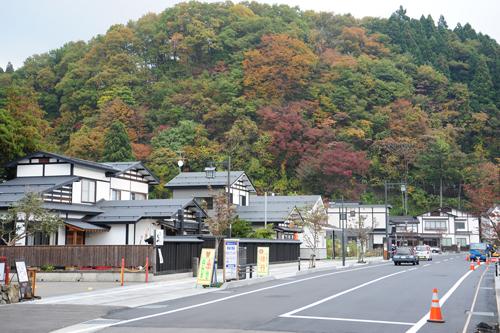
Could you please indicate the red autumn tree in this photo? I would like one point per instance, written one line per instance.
(484, 204)
(334, 171)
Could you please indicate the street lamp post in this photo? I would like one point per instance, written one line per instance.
(343, 217)
(386, 186)
(210, 173)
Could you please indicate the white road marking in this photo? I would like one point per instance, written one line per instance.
(446, 260)
(354, 320)
(290, 314)
(426, 265)
(422, 321)
(218, 300)
(437, 262)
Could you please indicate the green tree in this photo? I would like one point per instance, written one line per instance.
(264, 232)
(117, 147)
(241, 228)
(26, 217)
(9, 69)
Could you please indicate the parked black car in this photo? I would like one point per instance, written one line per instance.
(405, 254)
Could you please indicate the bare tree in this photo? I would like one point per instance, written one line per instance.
(313, 219)
(357, 226)
(26, 217)
(221, 218)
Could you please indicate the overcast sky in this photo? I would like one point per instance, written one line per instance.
(29, 27)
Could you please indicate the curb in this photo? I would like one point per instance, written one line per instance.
(246, 282)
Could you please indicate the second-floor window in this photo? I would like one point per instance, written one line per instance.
(459, 225)
(116, 195)
(137, 196)
(88, 190)
(435, 225)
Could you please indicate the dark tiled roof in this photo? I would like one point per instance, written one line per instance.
(278, 207)
(199, 179)
(13, 190)
(123, 211)
(126, 166)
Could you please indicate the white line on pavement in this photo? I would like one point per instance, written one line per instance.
(422, 321)
(354, 320)
(427, 265)
(217, 300)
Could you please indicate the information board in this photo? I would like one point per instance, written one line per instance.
(262, 261)
(22, 276)
(2, 271)
(206, 268)
(231, 259)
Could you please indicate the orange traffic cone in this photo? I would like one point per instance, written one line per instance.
(472, 268)
(487, 262)
(435, 309)
(467, 258)
(478, 263)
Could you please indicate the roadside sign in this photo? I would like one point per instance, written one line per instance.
(231, 259)
(22, 277)
(159, 237)
(262, 261)
(2, 271)
(206, 268)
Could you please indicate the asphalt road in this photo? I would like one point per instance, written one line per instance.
(374, 298)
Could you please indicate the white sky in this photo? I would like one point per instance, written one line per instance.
(29, 27)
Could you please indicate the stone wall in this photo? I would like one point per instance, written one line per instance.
(9, 293)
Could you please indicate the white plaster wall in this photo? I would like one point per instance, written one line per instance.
(125, 195)
(115, 236)
(30, 170)
(61, 237)
(131, 234)
(378, 239)
(89, 173)
(144, 229)
(102, 191)
(77, 192)
(139, 187)
(120, 184)
(58, 169)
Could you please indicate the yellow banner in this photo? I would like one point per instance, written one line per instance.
(262, 261)
(206, 268)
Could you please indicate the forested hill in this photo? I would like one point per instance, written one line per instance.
(304, 102)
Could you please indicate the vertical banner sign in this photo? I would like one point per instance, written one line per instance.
(2, 271)
(159, 237)
(22, 276)
(231, 259)
(262, 261)
(206, 268)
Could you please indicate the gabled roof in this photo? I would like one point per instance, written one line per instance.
(13, 190)
(278, 207)
(199, 179)
(73, 160)
(403, 220)
(126, 166)
(131, 211)
(336, 203)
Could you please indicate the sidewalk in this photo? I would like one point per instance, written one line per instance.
(135, 294)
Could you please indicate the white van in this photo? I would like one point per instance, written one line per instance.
(424, 252)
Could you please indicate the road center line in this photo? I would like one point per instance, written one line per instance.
(354, 320)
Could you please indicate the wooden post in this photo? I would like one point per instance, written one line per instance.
(123, 269)
(147, 269)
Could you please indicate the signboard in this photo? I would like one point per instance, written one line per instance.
(32, 278)
(158, 237)
(262, 261)
(206, 268)
(2, 271)
(22, 276)
(231, 259)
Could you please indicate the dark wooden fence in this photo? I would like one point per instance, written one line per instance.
(178, 252)
(78, 255)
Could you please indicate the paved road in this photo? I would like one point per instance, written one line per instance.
(370, 298)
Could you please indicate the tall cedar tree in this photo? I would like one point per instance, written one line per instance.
(117, 147)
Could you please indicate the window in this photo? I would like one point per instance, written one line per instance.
(461, 241)
(435, 225)
(137, 196)
(88, 190)
(459, 225)
(446, 242)
(243, 200)
(116, 195)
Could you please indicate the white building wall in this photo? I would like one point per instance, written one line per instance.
(30, 170)
(143, 230)
(115, 236)
(61, 235)
(139, 187)
(120, 184)
(89, 173)
(77, 192)
(102, 191)
(60, 169)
